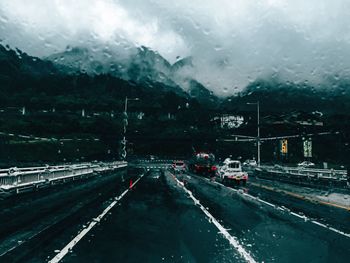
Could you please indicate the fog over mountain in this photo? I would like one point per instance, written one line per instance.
(231, 43)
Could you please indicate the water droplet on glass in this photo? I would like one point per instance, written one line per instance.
(218, 48)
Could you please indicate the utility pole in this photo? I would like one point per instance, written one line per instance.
(258, 128)
(258, 138)
(125, 124)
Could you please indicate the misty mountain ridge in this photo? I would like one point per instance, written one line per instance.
(141, 64)
(277, 96)
(148, 69)
(14, 62)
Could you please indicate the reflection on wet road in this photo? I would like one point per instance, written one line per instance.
(155, 223)
(159, 222)
(271, 232)
(185, 218)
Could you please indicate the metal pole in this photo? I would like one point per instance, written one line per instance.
(123, 151)
(125, 124)
(126, 105)
(258, 138)
(125, 115)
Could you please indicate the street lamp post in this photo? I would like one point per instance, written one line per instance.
(125, 123)
(258, 127)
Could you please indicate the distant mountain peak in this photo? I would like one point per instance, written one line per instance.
(76, 50)
(182, 62)
(143, 65)
(14, 62)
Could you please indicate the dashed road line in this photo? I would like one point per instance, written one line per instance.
(233, 240)
(94, 222)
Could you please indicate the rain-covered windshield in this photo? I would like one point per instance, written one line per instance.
(174, 131)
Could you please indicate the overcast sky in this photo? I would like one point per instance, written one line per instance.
(232, 42)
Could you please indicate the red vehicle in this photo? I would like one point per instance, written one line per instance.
(203, 163)
(178, 166)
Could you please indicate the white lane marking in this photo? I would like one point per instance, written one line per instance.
(262, 201)
(335, 230)
(94, 221)
(305, 218)
(331, 228)
(233, 241)
(297, 215)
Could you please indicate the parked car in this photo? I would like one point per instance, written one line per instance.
(250, 163)
(306, 164)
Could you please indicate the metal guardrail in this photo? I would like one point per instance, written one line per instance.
(151, 164)
(12, 170)
(331, 174)
(163, 161)
(16, 178)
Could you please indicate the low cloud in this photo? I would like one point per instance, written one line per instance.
(231, 42)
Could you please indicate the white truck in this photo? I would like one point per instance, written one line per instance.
(231, 171)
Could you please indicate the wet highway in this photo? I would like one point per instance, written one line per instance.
(176, 218)
(155, 223)
(271, 232)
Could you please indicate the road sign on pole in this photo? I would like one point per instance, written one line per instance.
(307, 146)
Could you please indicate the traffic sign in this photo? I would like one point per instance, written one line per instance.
(307, 146)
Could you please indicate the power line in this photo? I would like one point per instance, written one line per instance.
(243, 138)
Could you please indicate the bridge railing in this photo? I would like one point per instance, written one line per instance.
(161, 161)
(331, 174)
(15, 177)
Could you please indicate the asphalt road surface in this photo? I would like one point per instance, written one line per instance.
(156, 216)
(272, 233)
